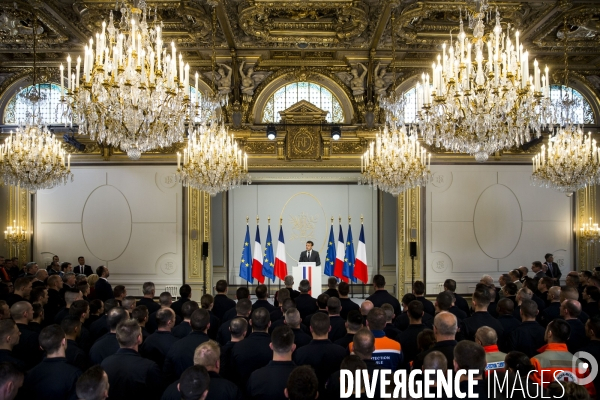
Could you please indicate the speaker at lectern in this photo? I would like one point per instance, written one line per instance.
(309, 271)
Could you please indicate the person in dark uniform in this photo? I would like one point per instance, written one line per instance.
(381, 296)
(238, 328)
(481, 316)
(332, 287)
(165, 300)
(289, 285)
(53, 378)
(408, 338)
(310, 255)
(262, 295)
(569, 311)
(460, 302)
(322, 300)
(419, 291)
(390, 330)
(207, 302)
(508, 321)
(338, 325)
(347, 303)
(277, 314)
(130, 375)
(243, 309)
(302, 384)
(185, 293)
(108, 345)
(222, 303)
(93, 384)
(292, 319)
(74, 354)
(103, 289)
(158, 344)
(551, 312)
(241, 293)
(402, 321)
(591, 295)
(444, 328)
(148, 289)
(305, 303)
(254, 351)
(269, 381)
(592, 328)
(9, 338)
(181, 355)
(27, 350)
(185, 327)
(529, 336)
(444, 302)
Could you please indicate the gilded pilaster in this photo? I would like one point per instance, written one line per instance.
(19, 214)
(408, 230)
(198, 231)
(586, 209)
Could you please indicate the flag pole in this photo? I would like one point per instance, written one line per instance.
(269, 283)
(247, 220)
(361, 227)
(280, 223)
(351, 284)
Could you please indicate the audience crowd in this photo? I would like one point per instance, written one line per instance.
(67, 333)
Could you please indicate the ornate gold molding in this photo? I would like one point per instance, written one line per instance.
(19, 206)
(408, 230)
(198, 231)
(587, 252)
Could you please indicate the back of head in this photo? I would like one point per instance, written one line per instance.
(21, 283)
(353, 363)
(163, 316)
(292, 318)
(304, 286)
(376, 319)
(17, 309)
(71, 296)
(188, 308)
(118, 290)
(573, 307)
(511, 289)
(436, 361)
(518, 362)
(128, 302)
(525, 293)
(165, 299)
(547, 282)
(388, 309)
(334, 306)
(115, 316)
(7, 327)
(200, 320)
(78, 308)
(289, 280)
(567, 391)
(92, 384)
(354, 320)
(261, 292)
(109, 305)
(469, 355)
(282, 339)
(366, 306)
(331, 282)
(128, 333)
(260, 319)
(593, 292)
(243, 307)
(238, 327)
(379, 281)
(302, 384)
(194, 383)
(148, 288)
(425, 339)
(364, 343)
(486, 336)
(287, 304)
(322, 301)
(482, 297)
(207, 354)
(415, 310)
(445, 324)
(450, 284)
(529, 308)
(52, 280)
(51, 338)
(185, 291)
(10, 373)
(444, 301)
(319, 324)
(419, 288)
(408, 297)
(343, 289)
(206, 300)
(221, 286)
(242, 293)
(99, 270)
(140, 314)
(561, 330)
(283, 295)
(569, 293)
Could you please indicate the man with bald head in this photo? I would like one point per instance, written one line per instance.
(529, 336)
(365, 307)
(570, 311)
(571, 293)
(444, 329)
(551, 312)
(27, 350)
(488, 339)
(507, 320)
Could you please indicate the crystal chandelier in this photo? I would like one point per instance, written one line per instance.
(32, 157)
(589, 231)
(16, 236)
(134, 93)
(484, 106)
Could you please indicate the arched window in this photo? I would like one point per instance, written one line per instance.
(18, 108)
(292, 93)
(584, 113)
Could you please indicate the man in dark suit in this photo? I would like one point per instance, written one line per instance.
(553, 270)
(82, 268)
(222, 302)
(103, 288)
(305, 303)
(185, 293)
(53, 378)
(262, 294)
(381, 296)
(108, 345)
(310, 255)
(181, 355)
(130, 375)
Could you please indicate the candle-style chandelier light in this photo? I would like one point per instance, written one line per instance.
(484, 105)
(212, 161)
(133, 93)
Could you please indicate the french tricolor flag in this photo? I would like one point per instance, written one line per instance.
(360, 262)
(257, 263)
(338, 269)
(280, 264)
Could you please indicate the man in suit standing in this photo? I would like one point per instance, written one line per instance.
(310, 255)
(82, 268)
(103, 288)
(553, 271)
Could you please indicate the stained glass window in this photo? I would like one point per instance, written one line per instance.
(18, 109)
(289, 95)
(583, 114)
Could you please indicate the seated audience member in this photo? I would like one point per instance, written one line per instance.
(419, 291)
(53, 378)
(488, 339)
(130, 375)
(108, 345)
(292, 319)
(381, 296)
(92, 384)
(338, 325)
(305, 303)
(11, 380)
(158, 344)
(354, 322)
(345, 301)
(332, 287)
(243, 309)
(184, 328)
(181, 354)
(185, 295)
(262, 294)
(222, 303)
(254, 351)
(321, 354)
(9, 338)
(408, 338)
(269, 381)
(149, 290)
(444, 328)
(529, 336)
(302, 384)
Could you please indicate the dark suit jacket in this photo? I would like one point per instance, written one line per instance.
(324, 356)
(181, 355)
(28, 349)
(51, 379)
(150, 304)
(104, 347)
(380, 297)
(222, 305)
(104, 290)
(527, 338)
(555, 271)
(75, 356)
(176, 306)
(87, 270)
(306, 304)
(157, 345)
(218, 389)
(132, 377)
(269, 382)
(314, 257)
(250, 354)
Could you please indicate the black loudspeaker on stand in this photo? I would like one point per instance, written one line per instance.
(413, 254)
(204, 256)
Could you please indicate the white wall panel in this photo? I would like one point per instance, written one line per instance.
(128, 218)
(488, 219)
